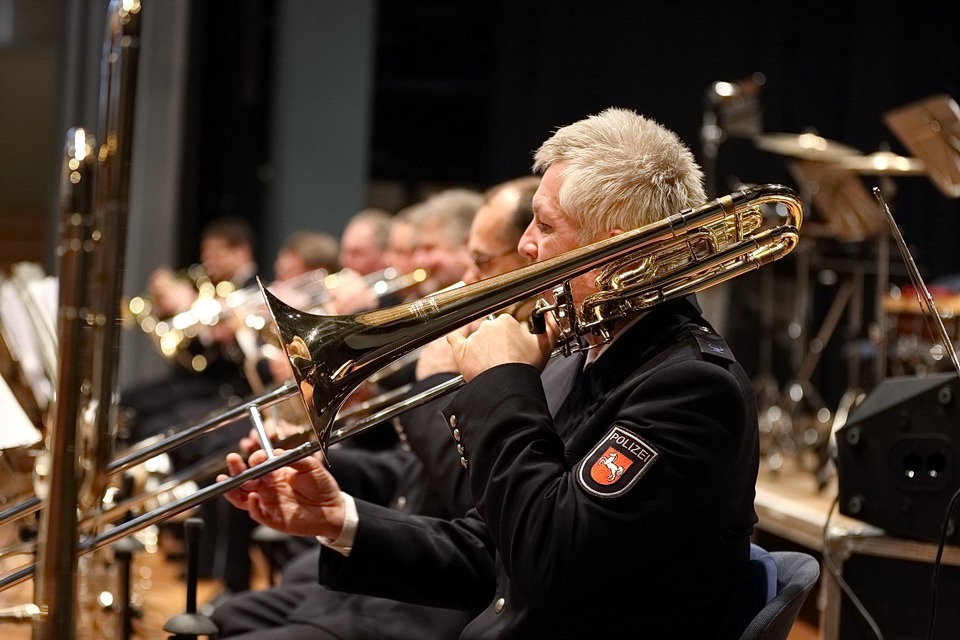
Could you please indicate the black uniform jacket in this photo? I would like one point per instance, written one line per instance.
(627, 513)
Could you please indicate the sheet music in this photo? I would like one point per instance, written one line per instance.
(17, 431)
(23, 342)
(44, 294)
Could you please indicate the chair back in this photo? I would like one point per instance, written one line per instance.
(797, 573)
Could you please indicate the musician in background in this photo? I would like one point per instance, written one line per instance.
(305, 251)
(623, 483)
(363, 246)
(302, 252)
(422, 477)
(402, 246)
(443, 223)
(185, 396)
(364, 241)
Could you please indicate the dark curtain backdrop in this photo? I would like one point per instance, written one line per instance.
(466, 90)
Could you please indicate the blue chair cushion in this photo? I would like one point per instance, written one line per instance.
(756, 586)
(761, 555)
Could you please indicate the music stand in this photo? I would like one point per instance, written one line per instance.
(930, 129)
(849, 211)
(852, 215)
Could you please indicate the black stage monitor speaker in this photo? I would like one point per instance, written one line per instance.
(898, 456)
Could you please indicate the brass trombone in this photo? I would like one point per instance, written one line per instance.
(332, 355)
(172, 336)
(671, 258)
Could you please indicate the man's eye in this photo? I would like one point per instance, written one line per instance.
(544, 228)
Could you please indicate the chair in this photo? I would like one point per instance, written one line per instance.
(797, 573)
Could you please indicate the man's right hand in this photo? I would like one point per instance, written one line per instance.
(302, 499)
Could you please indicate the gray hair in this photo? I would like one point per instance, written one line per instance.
(453, 209)
(621, 170)
(317, 249)
(379, 221)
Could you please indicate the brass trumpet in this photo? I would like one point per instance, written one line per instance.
(332, 355)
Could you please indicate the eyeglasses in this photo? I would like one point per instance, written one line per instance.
(482, 260)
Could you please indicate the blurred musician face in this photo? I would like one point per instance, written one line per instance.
(359, 250)
(222, 261)
(493, 239)
(289, 264)
(402, 247)
(443, 259)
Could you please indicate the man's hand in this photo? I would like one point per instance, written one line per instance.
(436, 357)
(302, 499)
(351, 295)
(500, 341)
(170, 294)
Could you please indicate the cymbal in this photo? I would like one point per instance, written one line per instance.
(807, 146)
(881, 163)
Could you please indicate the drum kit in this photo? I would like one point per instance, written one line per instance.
(831, 176)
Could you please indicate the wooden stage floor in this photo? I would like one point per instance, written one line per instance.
(164, 592)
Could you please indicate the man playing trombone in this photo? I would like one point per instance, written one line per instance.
(620, 499)
(419, 477)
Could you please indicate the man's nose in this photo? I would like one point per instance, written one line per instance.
(527, 247)
(471, 275)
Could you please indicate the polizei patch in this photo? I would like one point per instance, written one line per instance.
(616, 463)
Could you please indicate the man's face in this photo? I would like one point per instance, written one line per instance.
(492, 242)
(402, 247)
(359, 251)
(444, 260)
(553, 232)
(221, 261)
(289, 265)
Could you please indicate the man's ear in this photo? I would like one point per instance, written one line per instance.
(614, 232)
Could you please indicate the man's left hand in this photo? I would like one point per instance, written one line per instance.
(501, 341)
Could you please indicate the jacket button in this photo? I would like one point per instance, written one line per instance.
(463, 462)
(453, 422)
(460, 449)
(456, 435)
(498, 607)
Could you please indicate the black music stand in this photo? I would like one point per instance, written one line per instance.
(849, 214)
(930, 129)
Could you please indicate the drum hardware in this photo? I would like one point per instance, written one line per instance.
(804, 146)
(798, 419)
(880, 163)
(731, 110)
(914, 348)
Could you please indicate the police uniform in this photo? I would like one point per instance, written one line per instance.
(627, 513)
(419, 477)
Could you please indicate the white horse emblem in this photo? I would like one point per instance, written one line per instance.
(610, 463)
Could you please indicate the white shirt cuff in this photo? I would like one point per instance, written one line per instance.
(344, 542)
